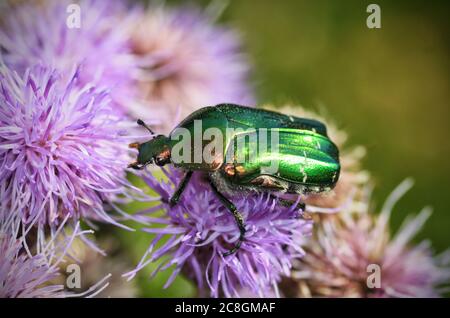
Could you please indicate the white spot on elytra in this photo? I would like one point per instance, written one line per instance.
(303, 172)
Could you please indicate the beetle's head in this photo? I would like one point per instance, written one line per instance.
(155, 151)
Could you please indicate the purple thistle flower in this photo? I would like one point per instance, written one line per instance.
(38, 33)
(62, 152)
(200, 230)
(187, 62)
(26, 275)
(22, 276)
(344, 245)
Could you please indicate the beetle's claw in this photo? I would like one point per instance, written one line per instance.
(173, 202)
(234, 249)
(134, 145)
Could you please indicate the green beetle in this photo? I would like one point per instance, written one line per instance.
(305, 159)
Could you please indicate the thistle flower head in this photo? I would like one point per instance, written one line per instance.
(349, 246)
(200, 229)
(65, 34)
(62, 152)
(187, 62)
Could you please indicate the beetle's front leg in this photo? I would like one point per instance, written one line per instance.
(237, 217)
(179, 191)
(136, 166)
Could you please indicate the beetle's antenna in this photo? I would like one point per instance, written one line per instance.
(140, 122)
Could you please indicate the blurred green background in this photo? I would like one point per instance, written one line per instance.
(388, 88)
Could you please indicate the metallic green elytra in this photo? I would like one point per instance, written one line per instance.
(258, 150)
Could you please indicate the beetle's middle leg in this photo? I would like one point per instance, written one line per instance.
(288, 202)
(179, 191)
(237, 217)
